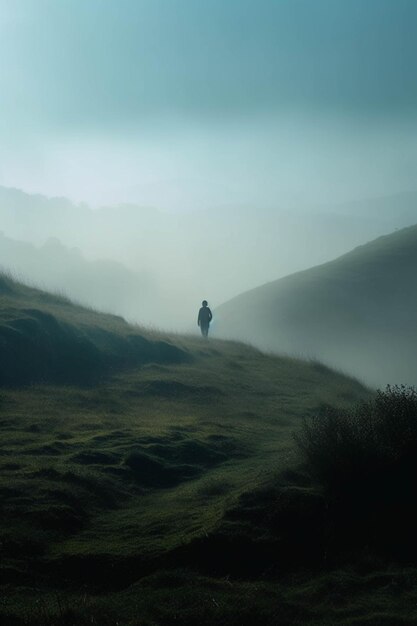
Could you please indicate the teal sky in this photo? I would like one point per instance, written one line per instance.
(190, 103)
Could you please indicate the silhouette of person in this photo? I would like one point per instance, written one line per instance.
(204, 318)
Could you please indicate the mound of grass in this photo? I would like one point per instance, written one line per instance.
(153, 472)
(162, 463)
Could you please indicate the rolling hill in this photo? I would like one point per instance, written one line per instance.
(106, 285)
(148, 479)
(356, 313)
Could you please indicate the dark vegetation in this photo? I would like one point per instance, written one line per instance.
(168, 490)
(366, 461)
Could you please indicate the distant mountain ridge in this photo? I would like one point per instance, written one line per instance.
(357, 313)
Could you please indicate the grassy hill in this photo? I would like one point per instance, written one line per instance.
(46, 338)
(154, 480)
(356, 313)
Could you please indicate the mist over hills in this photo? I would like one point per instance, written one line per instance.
(356, 313)
(188, 256)
(105, 284)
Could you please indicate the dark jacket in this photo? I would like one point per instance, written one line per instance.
(204, 316)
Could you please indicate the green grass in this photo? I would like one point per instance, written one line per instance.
(169, 490)
(201, 425)
(349, 598)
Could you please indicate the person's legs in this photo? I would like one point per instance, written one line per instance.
(204, 331)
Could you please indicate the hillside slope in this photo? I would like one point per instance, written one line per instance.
(170, 490)
(46, 338)
(356, 313)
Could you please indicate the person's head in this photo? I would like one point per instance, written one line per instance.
(204, 303)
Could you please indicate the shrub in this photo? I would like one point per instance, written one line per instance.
(341, 446)
(366, 462)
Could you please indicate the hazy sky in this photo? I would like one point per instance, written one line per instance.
(194, 103)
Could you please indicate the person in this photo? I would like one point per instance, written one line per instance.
(204, 318)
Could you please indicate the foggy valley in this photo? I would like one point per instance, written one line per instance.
(154, 267)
